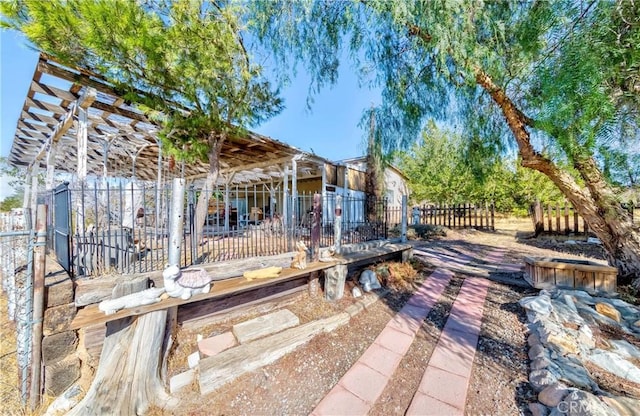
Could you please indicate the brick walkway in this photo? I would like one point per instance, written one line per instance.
(443, 389)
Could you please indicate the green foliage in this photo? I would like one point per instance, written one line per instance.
(446, 168)
(10, 202)
(183, 62)
(571, 67)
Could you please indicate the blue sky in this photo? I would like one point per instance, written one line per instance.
(329, 128)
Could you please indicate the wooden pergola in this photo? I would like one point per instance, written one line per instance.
(72, 115)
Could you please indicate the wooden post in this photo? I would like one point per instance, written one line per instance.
(493, 216)
(39, 267)
(558, 227)
(316, 226)
(403, 228)
(550, 218)
(575, 221)
(566, 217)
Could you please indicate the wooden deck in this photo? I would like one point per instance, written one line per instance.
(91, 315)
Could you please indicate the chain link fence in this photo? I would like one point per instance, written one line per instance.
(16, 274)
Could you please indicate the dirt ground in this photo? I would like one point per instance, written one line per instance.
(296, 383)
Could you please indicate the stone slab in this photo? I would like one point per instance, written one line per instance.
(57, 346)
(58, 292)
(265, 325)
(216, 344)
(60, 376)
(58, 319)
(182, 380)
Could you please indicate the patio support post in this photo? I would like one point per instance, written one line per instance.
(337, 225)
(316, 227)
(82, 144)
(51, 164)
(285, 196)
(176, 221)
(294, 191)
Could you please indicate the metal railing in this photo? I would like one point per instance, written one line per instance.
(123, 229)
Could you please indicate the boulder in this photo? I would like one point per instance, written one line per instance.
(608, 310)
(553, 394)
(57, 346)
(540, 379)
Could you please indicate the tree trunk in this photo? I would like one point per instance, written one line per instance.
(128, 380)
(596, 203)
(373, 179)
(216, 141)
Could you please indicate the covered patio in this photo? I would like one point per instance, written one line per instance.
(107, 184)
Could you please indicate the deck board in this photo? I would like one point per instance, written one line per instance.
(91, 315)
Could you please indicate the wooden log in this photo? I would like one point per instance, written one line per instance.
(222, 368)
(128, 378)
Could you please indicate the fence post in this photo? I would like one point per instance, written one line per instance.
(337, 225)
(493, 216)
(176, 229)
(403, 228)
(315, 227)
(39, 267)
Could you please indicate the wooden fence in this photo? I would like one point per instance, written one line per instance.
(558, 219)
(479, 216)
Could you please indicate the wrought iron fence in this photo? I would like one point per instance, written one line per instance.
(122, 229)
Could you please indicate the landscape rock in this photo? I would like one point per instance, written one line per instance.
(538, 351)
(625, 406)
(539, 304)
(58, 291)
(625, 349)
(582, 403)
(540, 379)
(615, 364)
(538, 409)
(563, 343)
(553, 394)
(608, 311)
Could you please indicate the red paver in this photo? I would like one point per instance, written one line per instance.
(424, 405)
(216, 344)
(364, 382)
(454, 352)
(368, 377)
(341, 401)
(404, 323)
(381, 359)
(394, 340)
(443, 386)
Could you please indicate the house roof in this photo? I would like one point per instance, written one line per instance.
(363, 159)
(122, 135)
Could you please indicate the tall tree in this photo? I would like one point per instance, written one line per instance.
(550, 77)
(183, 62)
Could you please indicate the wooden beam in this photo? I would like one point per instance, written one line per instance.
(28, 115)
(121, 112)
(66, 122)
(53, 91)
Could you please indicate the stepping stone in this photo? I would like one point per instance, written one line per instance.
(216, 344)
(182, 380)
(265, 325)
